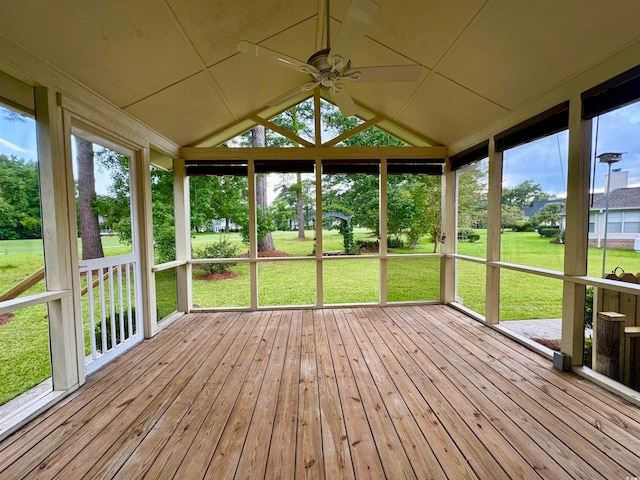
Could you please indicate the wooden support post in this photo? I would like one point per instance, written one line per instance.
(140, 169)
(253, 235)
(610, 344)
(59, 238)
(576, 232)
(494, 207)
(448, 207)
(383, 231)
(181, 207)
(318, 229)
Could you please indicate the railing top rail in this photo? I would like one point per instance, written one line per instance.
(106, 262)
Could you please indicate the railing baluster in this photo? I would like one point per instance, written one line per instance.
(112, 305)
(92, 314)
(103, 313)
(129, 310)
(120, 306)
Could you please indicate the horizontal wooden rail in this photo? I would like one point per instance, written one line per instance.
(32, 300)
(23, 286)
(199, 261)
(168, 265)
(615, 285)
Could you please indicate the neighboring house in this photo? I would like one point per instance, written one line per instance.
(219, 226)
(624, 218)
(537, 205)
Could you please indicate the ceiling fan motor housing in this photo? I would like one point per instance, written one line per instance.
(320, 60)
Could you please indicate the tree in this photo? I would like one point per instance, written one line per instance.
(12, 116)
(89, 226)
(511, 216)
(523, 195)
(550, 213)
(19, 199)
(472, 198)
(296, 120)
(163, 215)
(214, 198)
(286, 204)
(265, 241)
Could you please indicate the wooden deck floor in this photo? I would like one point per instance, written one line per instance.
(402, 392)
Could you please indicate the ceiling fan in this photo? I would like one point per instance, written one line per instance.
(331, 66)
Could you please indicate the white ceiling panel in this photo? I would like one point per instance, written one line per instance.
(184, 112)
(447, 111)
(387, 97)
(216, 26)
(426, 33)
(124, 50)
(520, 49)
(249, 82)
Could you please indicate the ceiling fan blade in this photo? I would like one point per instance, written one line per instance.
(292, 93)
(342, 99)
(279, 58)
(392, 73)
(355, 24)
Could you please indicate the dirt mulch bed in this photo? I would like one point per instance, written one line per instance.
(6, 318)
(215, 277)
(552, 344)
(268, 253)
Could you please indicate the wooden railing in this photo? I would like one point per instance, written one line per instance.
(110, 306)
(23, 286)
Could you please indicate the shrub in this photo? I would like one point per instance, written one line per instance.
(548, 232)
(473, 237)
(587, 352)
(110, 340)
(468, 236)
(223, 248)
(395, 242)
(364, 244)
(164, 244)
(588, 308)
(558, 237)
(526, 227)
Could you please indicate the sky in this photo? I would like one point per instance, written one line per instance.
(19, 138)
(543, 161)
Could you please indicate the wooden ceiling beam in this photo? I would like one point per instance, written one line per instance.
(312, 153)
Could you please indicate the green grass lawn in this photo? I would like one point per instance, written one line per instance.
(24, 343)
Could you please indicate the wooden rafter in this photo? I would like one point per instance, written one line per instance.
(282, 131)
(352, 132)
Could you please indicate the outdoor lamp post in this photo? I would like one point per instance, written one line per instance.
(609, 159)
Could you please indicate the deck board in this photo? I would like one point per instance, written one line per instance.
(383, 392)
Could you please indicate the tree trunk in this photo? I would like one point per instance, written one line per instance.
(300, 206)
(89, 226)
(265, 244)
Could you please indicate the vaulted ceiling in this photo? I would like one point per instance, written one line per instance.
(173, 64)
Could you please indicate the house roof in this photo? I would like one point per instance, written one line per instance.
(537, 205)
(173, 64)
(619, 198)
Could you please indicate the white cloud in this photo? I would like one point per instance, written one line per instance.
(12, 146)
